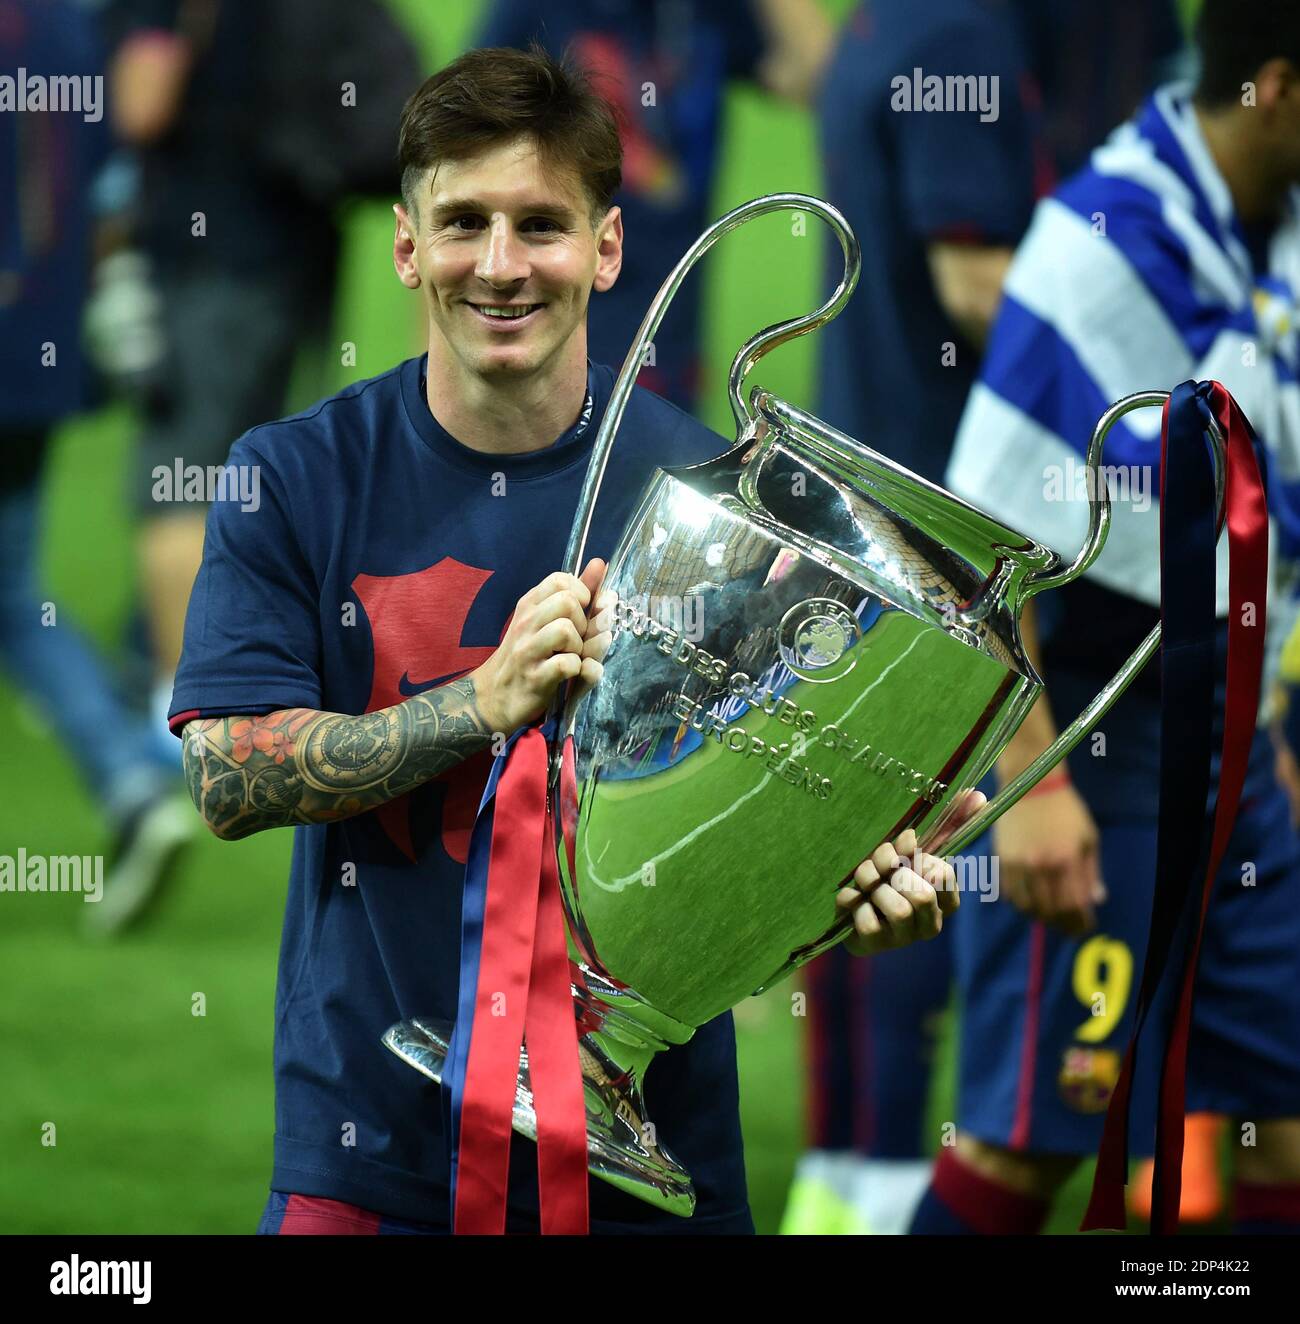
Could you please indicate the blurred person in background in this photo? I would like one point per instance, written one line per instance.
(48, 163)
(665, 66)
(1096, 61)
(939, 201)
(1174, 254)
(249, 124)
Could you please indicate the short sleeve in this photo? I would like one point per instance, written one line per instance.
(252, 633)
(967, 170)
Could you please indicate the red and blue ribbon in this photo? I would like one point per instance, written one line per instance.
(1190, 849)
(515, 988)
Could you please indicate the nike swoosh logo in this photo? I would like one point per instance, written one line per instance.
(409, 687)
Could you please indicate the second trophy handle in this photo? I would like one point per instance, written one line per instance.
(942, 843)
(1098, 525)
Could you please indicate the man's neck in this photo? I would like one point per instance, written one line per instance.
(1258, 193)
(506, 415)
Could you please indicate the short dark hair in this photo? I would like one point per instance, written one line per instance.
(494, 95)
(1235, 38)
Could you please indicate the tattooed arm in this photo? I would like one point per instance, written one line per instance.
(298, 765)
(246, 774)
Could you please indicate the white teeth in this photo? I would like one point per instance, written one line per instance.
(505, 312)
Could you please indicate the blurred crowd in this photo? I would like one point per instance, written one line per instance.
(195, 205)
(184, 205)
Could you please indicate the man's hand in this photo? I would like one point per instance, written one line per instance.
(545, 645)
(1047, 859)
(901, 894)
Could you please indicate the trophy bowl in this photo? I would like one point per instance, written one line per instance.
(812, 650)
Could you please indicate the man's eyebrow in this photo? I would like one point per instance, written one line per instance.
(529, 207)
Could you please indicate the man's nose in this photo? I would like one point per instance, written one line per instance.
(503, 260)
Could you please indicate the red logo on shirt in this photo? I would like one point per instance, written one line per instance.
(417, 621)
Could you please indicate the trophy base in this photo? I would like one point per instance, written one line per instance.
(622, 1148)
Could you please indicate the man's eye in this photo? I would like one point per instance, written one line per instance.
(466, 223)
(541, 225)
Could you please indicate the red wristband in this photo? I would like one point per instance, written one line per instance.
(1056, 780)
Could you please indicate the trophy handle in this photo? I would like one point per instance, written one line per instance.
(1098, 527)
(749, 354)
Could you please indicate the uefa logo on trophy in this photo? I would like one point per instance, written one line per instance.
(816, 639)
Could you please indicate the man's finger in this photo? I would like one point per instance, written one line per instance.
(936, 871)
(970, 805)
(593, 575)
(559, 607)
(558, 582)
(1044, 885)
(591, 673)
(1096, 884)
(1082, 884)
(921, 897)
(896, 911)
(866, 875)
(601, 619)
(597, 645)
(1015, 886)
(556, 669)
(866, 922)
(885, 858)
(559, 637)
(1058, 899)
(941, 875)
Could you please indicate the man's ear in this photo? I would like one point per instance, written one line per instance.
(1275, 82)
(404, 245)
(609, 249)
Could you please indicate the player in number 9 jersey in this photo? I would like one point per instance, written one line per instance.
(1166, 258)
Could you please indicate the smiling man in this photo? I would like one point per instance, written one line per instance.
(354, 645)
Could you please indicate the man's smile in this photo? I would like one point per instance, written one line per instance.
(506, 316)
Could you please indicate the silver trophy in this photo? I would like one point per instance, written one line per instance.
(814, 649)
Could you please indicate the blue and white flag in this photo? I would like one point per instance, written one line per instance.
(1134, 276)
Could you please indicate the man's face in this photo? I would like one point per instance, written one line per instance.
(1278, 95)
(507, 255)
(1289, 117)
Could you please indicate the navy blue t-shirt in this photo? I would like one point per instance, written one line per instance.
(664, 64)
(383, 558)
(906, 179)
